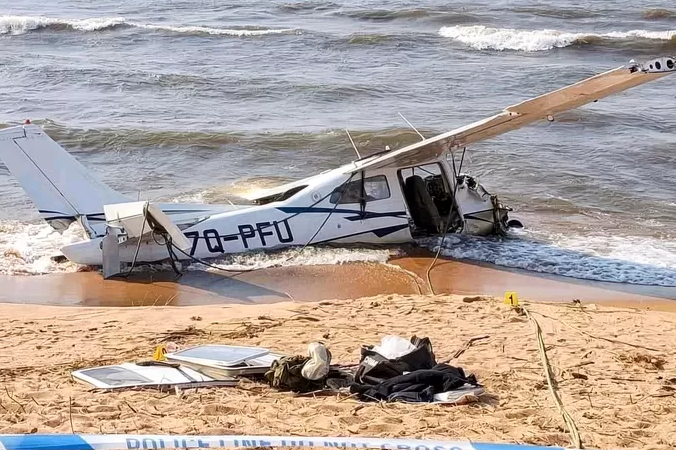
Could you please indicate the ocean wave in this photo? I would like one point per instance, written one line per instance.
(369, 38)
(401, 39)
(558, 13)
(308, 6)
(23, 24)
(387, 15)
(659, 13)
(104, 139)
(112, 138)
(486, 38)
(217, 31)
(617, 259)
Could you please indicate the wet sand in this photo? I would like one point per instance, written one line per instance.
(403, 275)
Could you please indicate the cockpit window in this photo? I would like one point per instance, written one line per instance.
(375, 188)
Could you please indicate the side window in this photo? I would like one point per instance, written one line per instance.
(375, 188)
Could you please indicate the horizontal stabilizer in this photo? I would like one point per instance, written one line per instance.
(142, 218)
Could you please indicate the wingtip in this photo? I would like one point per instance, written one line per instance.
(663, 64)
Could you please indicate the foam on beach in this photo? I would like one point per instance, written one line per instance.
(29, 249)
(598, 257)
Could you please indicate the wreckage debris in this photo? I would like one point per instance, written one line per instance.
(396, 369)
(155, 374)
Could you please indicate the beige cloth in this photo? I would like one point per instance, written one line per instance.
(318, 365)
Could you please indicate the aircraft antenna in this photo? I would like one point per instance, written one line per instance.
(410, 125)
(353, 145)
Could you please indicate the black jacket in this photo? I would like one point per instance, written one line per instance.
(416, 386)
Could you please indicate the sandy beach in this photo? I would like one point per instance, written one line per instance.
(614, 368)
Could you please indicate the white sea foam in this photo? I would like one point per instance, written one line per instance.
(194, 197)
(215, 31)
(27, 249)
(24, 24)
(622, 259)
(308, 256)
(487, 38)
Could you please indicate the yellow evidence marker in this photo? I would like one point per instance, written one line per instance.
(511, 299)
(160, 351)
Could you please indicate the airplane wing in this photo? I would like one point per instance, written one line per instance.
(524, 113)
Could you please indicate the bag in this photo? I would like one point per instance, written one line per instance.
(285, 374)
(374, 368)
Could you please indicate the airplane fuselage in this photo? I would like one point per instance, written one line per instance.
(318, 213)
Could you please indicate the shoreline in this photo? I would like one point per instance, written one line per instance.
(401, 275)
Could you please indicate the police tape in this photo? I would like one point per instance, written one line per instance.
(155, 442)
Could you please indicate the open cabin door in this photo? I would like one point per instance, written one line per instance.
(428, 193)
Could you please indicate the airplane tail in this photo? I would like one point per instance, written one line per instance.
(61, 187)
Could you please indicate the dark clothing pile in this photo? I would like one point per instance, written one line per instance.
(374, 368)
(417, 386)
(413, 377)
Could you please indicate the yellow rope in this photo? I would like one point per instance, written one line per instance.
(431, 266)
(572, 428)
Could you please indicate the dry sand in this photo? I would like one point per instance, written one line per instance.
(615, 369)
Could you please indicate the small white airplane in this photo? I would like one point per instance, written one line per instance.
(390, 197)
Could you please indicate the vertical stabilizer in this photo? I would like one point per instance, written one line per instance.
(61, 187)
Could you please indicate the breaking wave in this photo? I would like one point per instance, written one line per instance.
(28, 249)
(24, 24)
(486, 38)
(618, 259)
